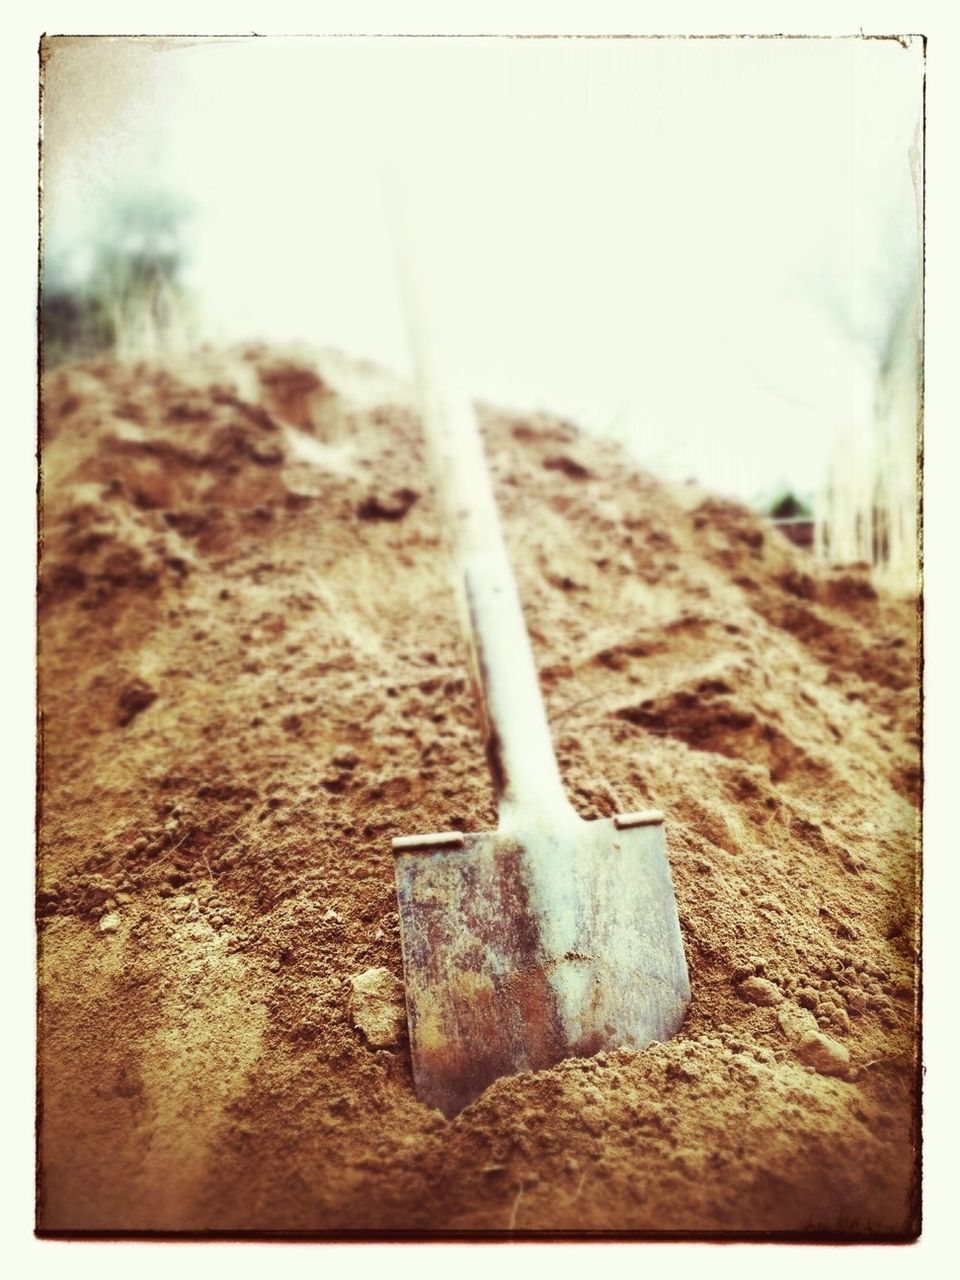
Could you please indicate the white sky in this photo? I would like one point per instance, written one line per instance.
(691, 243)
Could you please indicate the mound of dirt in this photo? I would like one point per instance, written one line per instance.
(252, 678)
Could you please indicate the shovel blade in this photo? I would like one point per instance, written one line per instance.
(522, 950)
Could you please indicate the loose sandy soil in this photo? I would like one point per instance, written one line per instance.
(251, 679)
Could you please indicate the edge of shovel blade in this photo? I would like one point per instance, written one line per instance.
(519, 952)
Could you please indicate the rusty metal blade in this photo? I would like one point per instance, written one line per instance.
(521, 949)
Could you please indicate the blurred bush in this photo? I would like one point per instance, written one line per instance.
(128, 298)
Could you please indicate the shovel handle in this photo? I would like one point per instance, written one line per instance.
(519, 749)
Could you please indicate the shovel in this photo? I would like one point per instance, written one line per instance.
(551, 937)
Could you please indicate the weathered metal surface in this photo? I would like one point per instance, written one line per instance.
(436, 840)
(521, 950)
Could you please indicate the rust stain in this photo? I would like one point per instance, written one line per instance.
(479, 1001)
(488, 997)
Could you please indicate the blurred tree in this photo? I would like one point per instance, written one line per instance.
(129, 297)
(868, 509)
(787, 506)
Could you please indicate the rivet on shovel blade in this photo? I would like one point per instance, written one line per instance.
(643, 818)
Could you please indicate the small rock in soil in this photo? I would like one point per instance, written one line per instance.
(794, 1021)
(823, 1054)
(760, 991)
(110, 923)
(377, 1008)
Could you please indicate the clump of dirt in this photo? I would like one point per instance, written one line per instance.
(252, 678)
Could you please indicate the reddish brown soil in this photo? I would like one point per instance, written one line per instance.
(251, 679)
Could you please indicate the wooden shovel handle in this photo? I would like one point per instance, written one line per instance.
(520, 754)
